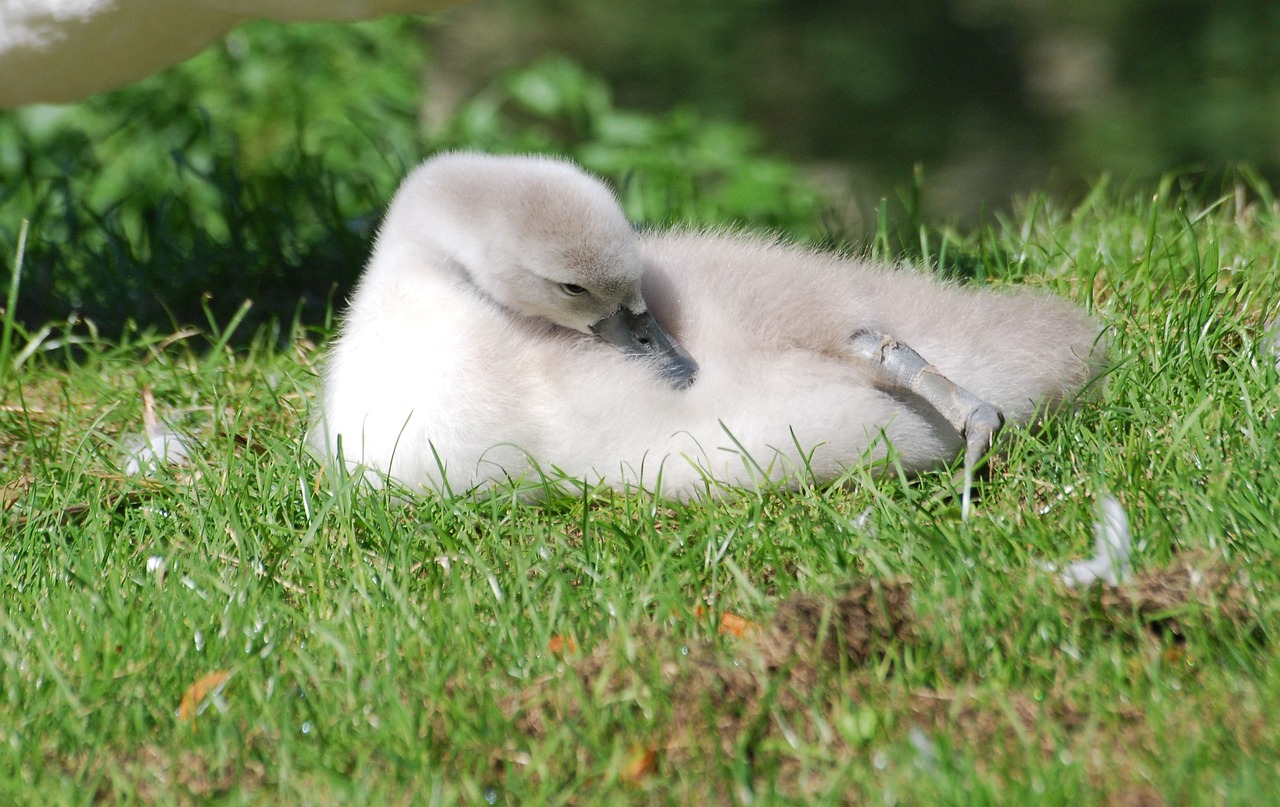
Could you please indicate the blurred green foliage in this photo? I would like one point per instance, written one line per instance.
(671, 168)
(258, 170)
(994, 97)
(238, 173)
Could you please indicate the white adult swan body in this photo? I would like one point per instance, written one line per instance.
(511, 324)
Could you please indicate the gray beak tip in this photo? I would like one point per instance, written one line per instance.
(641, 335)
(681, 371)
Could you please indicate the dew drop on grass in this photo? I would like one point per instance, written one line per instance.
(306, 727)
(491, 795)
(880, 760)
(199, 639)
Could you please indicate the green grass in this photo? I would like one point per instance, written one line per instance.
(401, 653)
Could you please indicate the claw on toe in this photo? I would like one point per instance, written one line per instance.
(979, 433)
(896, 366)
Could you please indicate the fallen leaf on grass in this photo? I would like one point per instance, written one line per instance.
(12, 492)
(1176, 654)
(642, 761)
(735, 625)
(561, 645)
(196, 694)
(730, 623)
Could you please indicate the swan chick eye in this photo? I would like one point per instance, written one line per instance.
(572, 289)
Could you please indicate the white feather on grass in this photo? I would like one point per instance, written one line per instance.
(143, 453)
(1271, 341)
(1113, 547)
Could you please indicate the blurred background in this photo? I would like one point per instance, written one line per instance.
(993, 97)
(259, 168)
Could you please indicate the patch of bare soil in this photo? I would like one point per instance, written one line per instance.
(1198, 590)
(152, 775)
(1013, 723)
(746, 700)
(854, 628)
(722, 703)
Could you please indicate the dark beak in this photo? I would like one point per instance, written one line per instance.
(640, 335)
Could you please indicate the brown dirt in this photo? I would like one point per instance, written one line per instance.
(719, 703)
(153, 775)
(1198, 591)
(860, 624)
(737, 697)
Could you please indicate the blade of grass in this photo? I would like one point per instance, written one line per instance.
(11, 309)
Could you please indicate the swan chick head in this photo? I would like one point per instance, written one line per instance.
(543, 239)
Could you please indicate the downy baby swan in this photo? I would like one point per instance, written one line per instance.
(511, 322)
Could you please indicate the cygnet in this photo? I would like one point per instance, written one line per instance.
(512, 326)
